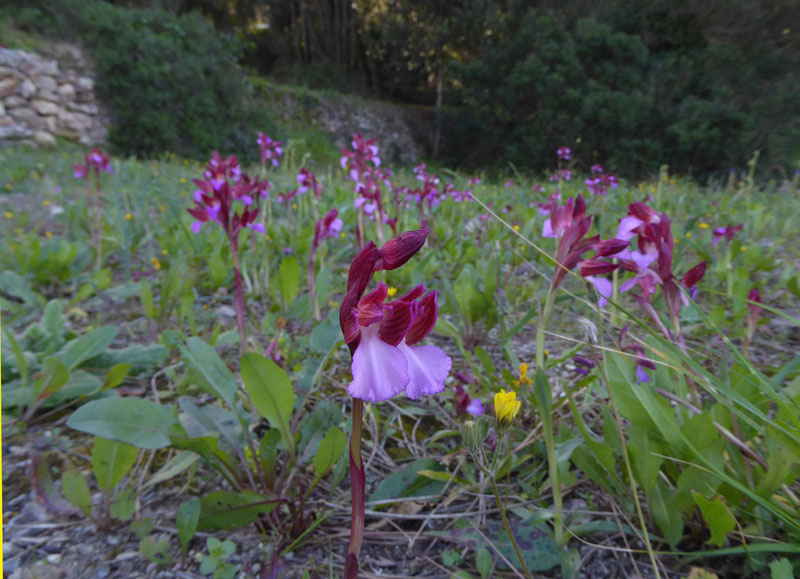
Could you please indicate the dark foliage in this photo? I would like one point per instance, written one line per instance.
(171, 82)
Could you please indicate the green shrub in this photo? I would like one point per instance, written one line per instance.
(171, 82)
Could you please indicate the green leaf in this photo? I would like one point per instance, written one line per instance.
(483, 560)
(111, 460)
(666, 516)
(782, 568)
(324, 337)
(134, 421)
(76, 490)
(116, 375)
(227, 509)
(155, 551)
(52, 318)
(88, 346)
(270, 390)
(173, 467)
(645, 458)
(717, 517)
(142, 527)
(289, 279)
(214, 376)
(124, 505)
(186, 522)
(147, 299)
(50, 378)
(329, 451)
(535, 541)
(407, 482)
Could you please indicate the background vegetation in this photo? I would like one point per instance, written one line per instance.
(698, 85)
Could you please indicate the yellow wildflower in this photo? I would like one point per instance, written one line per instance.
(164, 252)
(48, 234)
(156, 264)
(45, 203)
(506, 407)
(391, 292)
(9, 215)
(523, 376)
(702, 225)
(743, 248)
(183, 179)
(688, 234)
(294, 205)
(128, 216)
(516, 228)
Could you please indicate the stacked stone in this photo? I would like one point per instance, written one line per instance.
(40, 100)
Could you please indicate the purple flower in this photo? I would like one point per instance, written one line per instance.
(382, 337)
(475, 407)
(564, 153)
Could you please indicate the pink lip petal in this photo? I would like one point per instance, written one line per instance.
(428, 368)
(379, 370)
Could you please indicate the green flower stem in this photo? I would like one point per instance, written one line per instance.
(502, 510)
(547, 427)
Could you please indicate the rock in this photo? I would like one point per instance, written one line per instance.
(26, 116)
(48, 67)
(87, 108)
(8, 86)
(45, 83)
(2, 110)
(67, 91)
(14, 101)
(44, 107)
(76, 121)
(10, 58)
(27, 89)
(6, 72)
(85, 84)
(44, 139)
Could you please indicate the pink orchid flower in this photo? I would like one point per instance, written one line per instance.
(727, 232)
(383, 337)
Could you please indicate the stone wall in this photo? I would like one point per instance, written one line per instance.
(44, 97)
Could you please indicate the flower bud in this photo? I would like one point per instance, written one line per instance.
(471, 435)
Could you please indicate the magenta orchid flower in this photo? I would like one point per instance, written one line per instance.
(726, 232)
(599, 182)
(564, 153)
(383, 337)
(561, 218)
(269, 149)
(307, 181)
(639, 215)
(214, 198)
(94, 160)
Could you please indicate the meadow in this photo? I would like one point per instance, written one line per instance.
(609, 383)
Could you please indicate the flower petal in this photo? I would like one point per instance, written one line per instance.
(379, 370)
(428, 367)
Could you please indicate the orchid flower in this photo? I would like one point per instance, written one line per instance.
(216, 194)
(564, 153)
(231, 198)
(270, 150)
(726, 232)
(599, 182)
(94, 161)
(382, 339)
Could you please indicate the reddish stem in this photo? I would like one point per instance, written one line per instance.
(239, 300)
